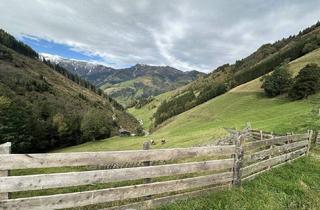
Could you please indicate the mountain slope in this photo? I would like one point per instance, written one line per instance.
(226, 77)
(41, 109)
(129, 84)
(245, 103)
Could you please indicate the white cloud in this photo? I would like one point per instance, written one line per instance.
(187, 35)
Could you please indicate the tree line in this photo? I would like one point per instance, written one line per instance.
(18, 46)
(280, 81)
(41, 127)
(186, 101)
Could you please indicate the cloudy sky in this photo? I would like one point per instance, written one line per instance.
(188, 34)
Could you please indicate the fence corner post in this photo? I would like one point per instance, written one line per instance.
(146, 146)
(270, 148)
(5, 149)
(310, 132)
(238, 160)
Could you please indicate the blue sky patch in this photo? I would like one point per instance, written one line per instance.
(63, 50)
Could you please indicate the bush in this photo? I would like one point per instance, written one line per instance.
(278, 82)
(15, 125)
(306, 83)
(96, 124)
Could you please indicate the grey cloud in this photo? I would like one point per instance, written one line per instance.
(193, 34)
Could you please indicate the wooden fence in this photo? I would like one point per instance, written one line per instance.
(211, 168)
(317, 140)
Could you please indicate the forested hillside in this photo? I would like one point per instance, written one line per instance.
(228, 76)
(42, 106)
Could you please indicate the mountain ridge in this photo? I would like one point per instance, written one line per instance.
(132, 84)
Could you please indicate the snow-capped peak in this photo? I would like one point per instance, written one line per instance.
(53, 58)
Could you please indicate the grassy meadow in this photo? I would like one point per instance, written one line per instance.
(206, 122)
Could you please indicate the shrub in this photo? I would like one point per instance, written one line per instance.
(96, 124)
(278, 82)
(306, 83)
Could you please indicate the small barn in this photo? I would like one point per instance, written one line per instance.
(124, 132)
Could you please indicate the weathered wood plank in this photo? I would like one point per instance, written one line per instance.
(309, 140)
(4, 149)
(238, 161)
(22, 161)
(46, 181)
(252, 176)
(167, 199)
(271, 162)
(276, 140)
(276, 150)
(77, 199)
(258, 135)
(146, 146)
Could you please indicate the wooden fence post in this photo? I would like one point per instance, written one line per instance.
(270, 148)
(310, 132)
(238, 160)
(5, 149)
(314, 140)
(146, 146)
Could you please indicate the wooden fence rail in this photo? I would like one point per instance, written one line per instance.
(224, 165)
(24, 161)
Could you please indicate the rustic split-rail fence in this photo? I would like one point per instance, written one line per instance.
(166, 175)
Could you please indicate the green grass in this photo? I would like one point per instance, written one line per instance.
(206, 122)
(146, 112)
(292, 186)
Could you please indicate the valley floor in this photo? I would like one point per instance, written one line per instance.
(205, 123)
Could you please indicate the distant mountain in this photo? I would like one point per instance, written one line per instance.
(128, 85)
(81, 68)
(44, 107)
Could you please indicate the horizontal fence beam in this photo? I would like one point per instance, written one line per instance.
(4, 149)
(273, 151)
(46, 181)
(252, 176)
(256, 167)
(23, 161)
(78, 199)
(275, 140)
